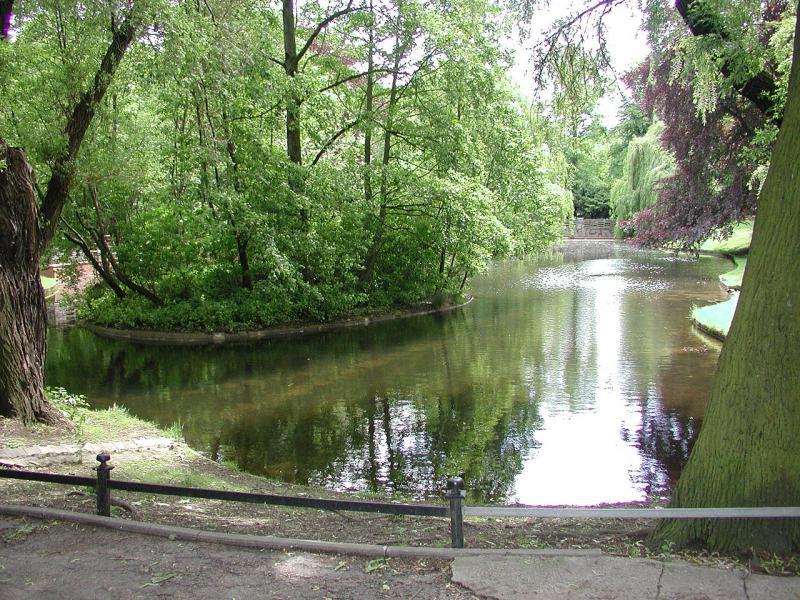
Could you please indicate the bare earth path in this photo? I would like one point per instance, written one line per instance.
(48, 560)
(40, 560)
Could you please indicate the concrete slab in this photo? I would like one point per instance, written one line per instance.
(682, 581)
(608, 577)
(774, 588)
(558, 578)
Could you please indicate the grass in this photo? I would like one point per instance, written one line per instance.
(158, 470)
(114, 424)
(716, 319)
(48, 282)
(733, 278)
(737, 243)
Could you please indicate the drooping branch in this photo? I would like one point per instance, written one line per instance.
(760, 88)
(74, 236)
(335, 137)
(64, 165)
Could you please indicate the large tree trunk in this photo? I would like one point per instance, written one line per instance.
(25, 232)
(749, 449)
(22, 306)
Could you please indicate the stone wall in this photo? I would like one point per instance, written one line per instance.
(591, 229)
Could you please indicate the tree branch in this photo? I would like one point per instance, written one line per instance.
(759, 89)
(335, 137)
(64, 166)
(322, 25)
(351, 78)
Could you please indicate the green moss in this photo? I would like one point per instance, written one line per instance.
(737, 243)
(716, 319)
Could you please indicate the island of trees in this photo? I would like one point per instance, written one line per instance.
(233, 165)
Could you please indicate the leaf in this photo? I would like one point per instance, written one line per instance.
(159, 578)
(342, 566)
(375, 565)
(171, 537)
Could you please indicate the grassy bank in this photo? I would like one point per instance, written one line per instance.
(738, 243)
(180, 465)
(716, 319)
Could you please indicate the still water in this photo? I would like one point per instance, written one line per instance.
(572, 378)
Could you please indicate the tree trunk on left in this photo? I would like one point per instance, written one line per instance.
(23, 319)
(26, 230)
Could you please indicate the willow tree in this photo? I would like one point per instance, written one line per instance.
(27, 226)
(646, 163)
(748, 451)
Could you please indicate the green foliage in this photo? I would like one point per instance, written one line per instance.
(71, 406)
(590, 159)
(646, 163)
(184, 174)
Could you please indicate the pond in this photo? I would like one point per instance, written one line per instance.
(572, 378)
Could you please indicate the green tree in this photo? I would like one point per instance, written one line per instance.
(646, 163)
(748, 450)
(27, 226)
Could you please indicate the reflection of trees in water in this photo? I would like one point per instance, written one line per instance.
(664, 440)
(388, 444)
(403, 405)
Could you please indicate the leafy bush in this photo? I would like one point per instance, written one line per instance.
(70, 405)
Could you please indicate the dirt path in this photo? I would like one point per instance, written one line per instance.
(62, 561)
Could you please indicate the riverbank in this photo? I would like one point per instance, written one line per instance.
(200, 338)
(176, 464)
(715, 320)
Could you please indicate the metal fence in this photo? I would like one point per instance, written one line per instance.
(103, 484)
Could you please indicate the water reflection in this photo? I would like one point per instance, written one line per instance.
(573, 378)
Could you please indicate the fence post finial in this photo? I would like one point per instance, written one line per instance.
(456, 494)
(101, 489)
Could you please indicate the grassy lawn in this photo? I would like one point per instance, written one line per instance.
(737, 243)
(716, 319)
(733, 278)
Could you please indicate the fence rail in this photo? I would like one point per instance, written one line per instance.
(103, 484)
(773, 512)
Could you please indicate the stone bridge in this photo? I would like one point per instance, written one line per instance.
(591, 229)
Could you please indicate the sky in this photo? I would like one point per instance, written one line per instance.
(627, 46)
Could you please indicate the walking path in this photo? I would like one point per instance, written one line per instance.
(37, 456)
(48, 559)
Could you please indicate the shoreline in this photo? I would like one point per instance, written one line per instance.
(199, 338)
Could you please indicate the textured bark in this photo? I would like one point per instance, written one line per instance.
(291, 62)
(25, 231)
(6, 11)
(22, 307)
(748, 451)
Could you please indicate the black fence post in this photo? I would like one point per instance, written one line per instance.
(456, 494)
(103, 493)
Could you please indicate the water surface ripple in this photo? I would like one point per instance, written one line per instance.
(573, 378)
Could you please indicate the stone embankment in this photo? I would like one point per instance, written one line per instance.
(199, 338)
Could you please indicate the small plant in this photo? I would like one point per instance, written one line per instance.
(72, 406)
(175, 431)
